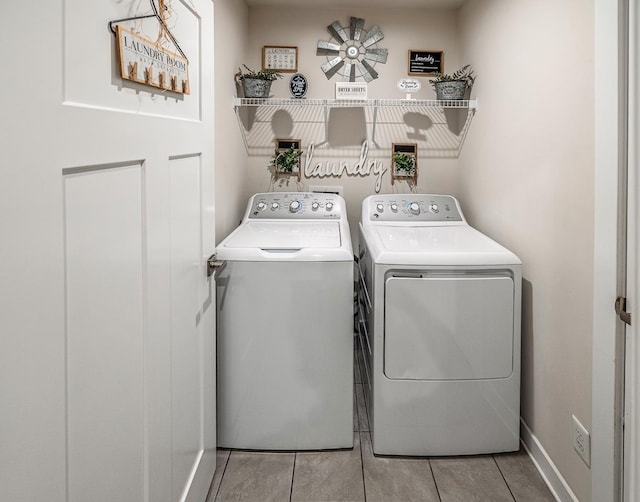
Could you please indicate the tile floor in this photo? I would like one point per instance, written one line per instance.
(358, 475)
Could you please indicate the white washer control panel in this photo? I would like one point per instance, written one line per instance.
(412, 207)
(296, 205)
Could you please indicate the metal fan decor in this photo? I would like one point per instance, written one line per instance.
(352, 52)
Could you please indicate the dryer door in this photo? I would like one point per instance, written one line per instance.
(457, 327)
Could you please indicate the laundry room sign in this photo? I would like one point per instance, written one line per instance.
(336, 169)
(146, 62)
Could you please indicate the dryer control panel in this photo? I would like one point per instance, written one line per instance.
(411, 208)
(296, 206)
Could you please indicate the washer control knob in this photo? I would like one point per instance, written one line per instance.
(414, 208)
(380, 208)
(274, 206)
(315, 206)
(434, 208)
(329, 206)
(261, 206)
(394, 207)
(295, 206)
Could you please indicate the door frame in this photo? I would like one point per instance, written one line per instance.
(610, 114)
(631, 446)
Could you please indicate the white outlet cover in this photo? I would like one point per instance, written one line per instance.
(581, 440)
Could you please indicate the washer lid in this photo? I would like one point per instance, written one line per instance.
(286, 235)
(448, 245)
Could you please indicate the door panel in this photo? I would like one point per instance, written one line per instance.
(101, 87)
(448, 328)
(104, 309)
(186, 338)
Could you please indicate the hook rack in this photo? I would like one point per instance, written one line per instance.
(155, 14)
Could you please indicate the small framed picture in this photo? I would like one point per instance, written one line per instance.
(404, 159)
(424, 62)
(286, 158)
(280, 58)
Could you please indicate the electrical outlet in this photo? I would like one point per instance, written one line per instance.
(338, 190)
(581, 440)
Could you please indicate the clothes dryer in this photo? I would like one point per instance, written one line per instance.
(439, 327)
(285, 326)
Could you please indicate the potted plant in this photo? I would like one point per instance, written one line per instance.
(454, 86)
(286, 161)
(257, 84)
(404, 164)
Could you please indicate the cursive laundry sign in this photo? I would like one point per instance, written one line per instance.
(337, 169)
(425, 62)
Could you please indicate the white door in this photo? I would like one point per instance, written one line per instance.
(107, 320)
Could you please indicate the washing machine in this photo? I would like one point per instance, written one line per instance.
(285, 326)
(439, 308)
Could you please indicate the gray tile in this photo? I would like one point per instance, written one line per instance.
(329, 476)
(361, 365)
(396, 479)
(523, 478)
(469, 479)
(363, 420)
(257, 477)
(222, 456)
(357, 378)
(356, 423)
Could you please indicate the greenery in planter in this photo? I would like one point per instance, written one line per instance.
(405, 164)
(285, 161)
(268, 74)
(257, 84)
(464, 74)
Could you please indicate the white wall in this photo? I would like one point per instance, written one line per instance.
(403, 29)
(231, 18)
(527, 179)
(525, 175)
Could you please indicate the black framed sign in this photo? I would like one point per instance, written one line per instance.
(425, 62)
(298, 85)
(285, 144)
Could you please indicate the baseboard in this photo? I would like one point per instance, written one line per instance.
(549, 472)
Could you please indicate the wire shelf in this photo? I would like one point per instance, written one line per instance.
(439, 127)
(471, 104)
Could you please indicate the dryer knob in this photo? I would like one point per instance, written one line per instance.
(434, 208)
(394, 207)
(380, 208)
(329, 206)
(295, 206)
(414, 207)
(315, 206)
(261, 206)
(274, 206)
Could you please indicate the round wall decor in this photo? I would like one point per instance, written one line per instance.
(352, 52)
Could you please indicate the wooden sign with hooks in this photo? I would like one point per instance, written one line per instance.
(146, 62)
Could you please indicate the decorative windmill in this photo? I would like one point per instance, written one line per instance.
(354, 53)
